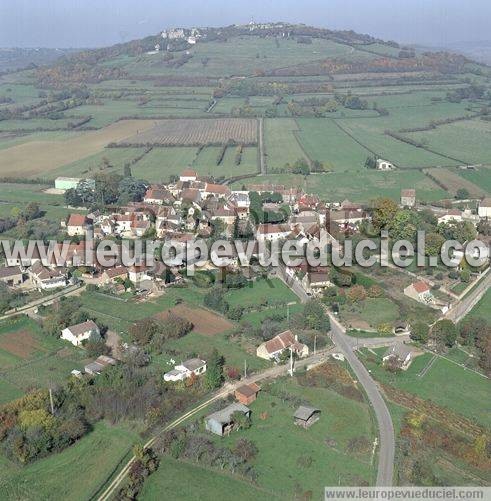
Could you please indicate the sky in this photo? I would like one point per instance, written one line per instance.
(95, 23)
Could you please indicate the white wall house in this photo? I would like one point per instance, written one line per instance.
(182, 371)
(78, 333)
(484, 209)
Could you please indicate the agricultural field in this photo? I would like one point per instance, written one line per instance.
(323, 140)
(465, 140)
(453, 182)
(100, 452)
(35, 158)
(481, 177)
(483, 308)
(280, 142)
(366, 185)
(196, 132)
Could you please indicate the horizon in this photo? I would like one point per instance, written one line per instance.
(62, 24)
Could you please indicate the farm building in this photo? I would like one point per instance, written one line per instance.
(99, 364)
(272, 349)
(306, 416)
(188, 175)
(408, 198)
(66, 183)
(78, 333)
(247, 393)
(484, 209)
(384, 164)
(182, 371)
(221, 423)
(11, 275)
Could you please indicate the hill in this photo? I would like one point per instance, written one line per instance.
(326, 98)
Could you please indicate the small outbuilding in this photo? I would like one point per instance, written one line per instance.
(221, 422)
(306, 416)
(247, 393)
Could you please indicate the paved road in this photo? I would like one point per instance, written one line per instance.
(386, 429)
(347, 345)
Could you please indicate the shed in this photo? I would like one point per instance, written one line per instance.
(306, 416)
(247, 393)
(221, 423)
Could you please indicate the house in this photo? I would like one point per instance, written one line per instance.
(188, 175)
(384, 164)
(182, 371)
(110, 275)
(123, 222)
(247, 393)
(77, 224)
(272, 349)
(419, 291)
(240, 199)
(140, 227)
(138, 273)
(408, 198)
(269, 231)
(484, 208)
(221, 422)
(78, 333)
(46, 278)
(218, 190)
(317, 279)
(306, 416)
(99, 364)
(158, 196)
(11, 275)
(400, 355)
(450, 215)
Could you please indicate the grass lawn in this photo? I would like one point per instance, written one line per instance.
(371, 311)
(443, 385)
(188, 481)
(480, 177)
(483, 308)
(59, 476)
(261, 292)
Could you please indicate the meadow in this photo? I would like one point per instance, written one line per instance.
(59, 476)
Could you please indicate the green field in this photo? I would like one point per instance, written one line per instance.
(371, 311)
(467, 140)
(483, 308)
(74, 474)
(280, 142)
(276, 436)
(265, 292)
(443, 385)
(323, 140)
(480, 177)
(366, 185)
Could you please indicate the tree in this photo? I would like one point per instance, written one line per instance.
(127, 170)
(433, 244)
(214, 370)
(356, 294)
(444, 333)
(371, 162)
(131, 190)
(404, 225)
(420, 332)
(462, 194)
(96, 347)
(315, 317)
(240, 420)
(246, 449)
(384, 213)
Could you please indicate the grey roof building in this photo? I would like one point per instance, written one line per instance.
(306, 416)
(220, 422)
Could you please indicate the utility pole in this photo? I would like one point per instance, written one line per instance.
(291, 361)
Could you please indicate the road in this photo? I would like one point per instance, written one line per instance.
(465, 305)
(347, 345)
(262, 162)
(28, 309)
(278, 370)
